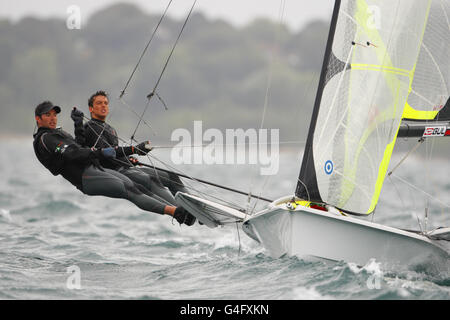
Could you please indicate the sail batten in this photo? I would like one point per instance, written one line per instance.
(371, 78)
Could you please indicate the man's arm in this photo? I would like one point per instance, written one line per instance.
(66, 149)
(125, 151)
(141, 149)
(77, 117)
(80, 136)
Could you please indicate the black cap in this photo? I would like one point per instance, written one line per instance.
(45, 107)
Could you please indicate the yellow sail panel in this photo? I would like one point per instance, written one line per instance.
(413, 114)
(382, 170)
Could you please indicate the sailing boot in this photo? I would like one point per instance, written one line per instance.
(182, 216)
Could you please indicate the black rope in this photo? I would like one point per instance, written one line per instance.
(145, 50)
(151, 94)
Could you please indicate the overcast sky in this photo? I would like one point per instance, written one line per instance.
(296, 13)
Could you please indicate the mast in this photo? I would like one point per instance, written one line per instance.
(307, 184)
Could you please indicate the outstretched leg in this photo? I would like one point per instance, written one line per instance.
(110, 183)
(149, 182)
(170, 180)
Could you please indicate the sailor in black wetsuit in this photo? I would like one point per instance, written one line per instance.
(97, 133)
(59, 153)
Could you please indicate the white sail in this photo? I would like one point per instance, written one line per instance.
(364, 90)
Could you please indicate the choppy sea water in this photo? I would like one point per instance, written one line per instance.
(57, 243)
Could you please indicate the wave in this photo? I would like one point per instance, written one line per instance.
(58, 207)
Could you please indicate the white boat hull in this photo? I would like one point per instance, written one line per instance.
(311, 232)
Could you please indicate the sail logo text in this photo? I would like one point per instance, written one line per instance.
(434, 131)
(241, 147)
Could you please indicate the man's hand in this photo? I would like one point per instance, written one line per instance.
(143, 148)
(134, 161)
(77, 116)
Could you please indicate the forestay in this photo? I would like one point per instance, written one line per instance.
(374, 50)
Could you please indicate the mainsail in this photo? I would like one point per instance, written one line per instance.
(385, 61)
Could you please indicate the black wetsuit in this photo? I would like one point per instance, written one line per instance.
(101, 135)
(88, 135)
(59, 153)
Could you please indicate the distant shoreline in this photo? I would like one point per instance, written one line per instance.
(14, 136)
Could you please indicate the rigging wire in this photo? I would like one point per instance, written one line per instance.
(281, 12)
(398, 194)
(239, 238)
(262, 189)
(135, 68)
(422, 191)
(223, 145)
(428, 186)
(145, 49)
(153, 93)
(419, 143)
(138, 116)
(272, 61)
(204, 194)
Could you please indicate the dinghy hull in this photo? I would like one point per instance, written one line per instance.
(310, 232)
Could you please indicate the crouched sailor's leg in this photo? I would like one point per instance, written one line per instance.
(150, 183)
(170, 180)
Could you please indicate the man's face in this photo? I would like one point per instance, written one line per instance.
(100, 108)
(48, 120)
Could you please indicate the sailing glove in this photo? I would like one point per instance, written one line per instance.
(134, 161)
(182, 216)
(143, 148)
(77, 116)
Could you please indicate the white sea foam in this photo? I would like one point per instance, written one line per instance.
(309, 293)
(372, 267)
